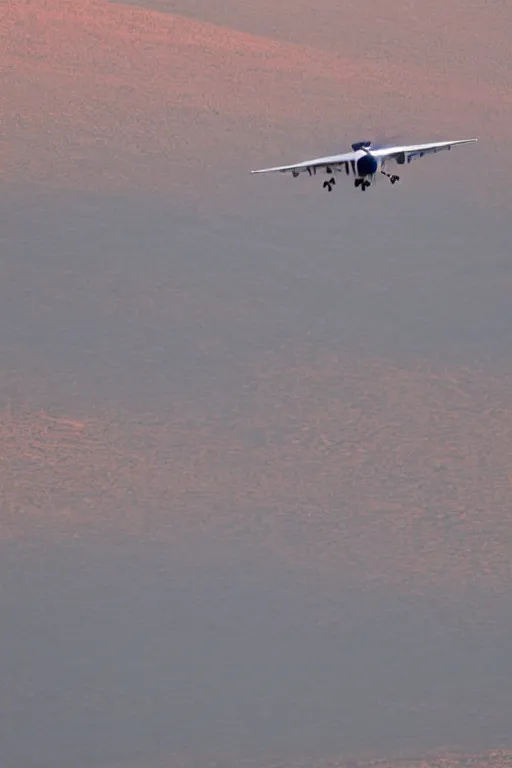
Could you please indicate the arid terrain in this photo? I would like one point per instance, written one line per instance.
(334, 465)
(108, 94)
(495, 759)
(255, 440)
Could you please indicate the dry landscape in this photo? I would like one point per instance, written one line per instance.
(384, 474)
(221, 397)
(494, 759)
(100, 93)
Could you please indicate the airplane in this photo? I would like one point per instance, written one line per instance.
(364, 162)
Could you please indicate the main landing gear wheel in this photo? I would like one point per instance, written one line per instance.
(392, 177)
(363, 183)
(328, 185)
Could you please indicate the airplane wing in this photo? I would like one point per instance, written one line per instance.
(347, 162)
(409, 152)
(333, 163)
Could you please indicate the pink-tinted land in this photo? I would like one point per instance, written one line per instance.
(255, 440)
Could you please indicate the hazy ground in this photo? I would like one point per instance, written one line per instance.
(256, 473)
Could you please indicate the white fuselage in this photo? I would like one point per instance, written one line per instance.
(364, 165)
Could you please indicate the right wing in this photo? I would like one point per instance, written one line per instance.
(331, 164)
(411, 151)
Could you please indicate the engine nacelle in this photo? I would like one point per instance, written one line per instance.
(367, 165)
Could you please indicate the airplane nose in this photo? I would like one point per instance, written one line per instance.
(367, 165)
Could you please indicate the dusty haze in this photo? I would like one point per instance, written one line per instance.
(256, 474)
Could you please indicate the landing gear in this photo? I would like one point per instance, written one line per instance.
(328, 185)
(392, 177)
(363, 183)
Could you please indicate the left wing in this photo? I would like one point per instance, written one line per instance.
(333, 163)
(407, 153)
